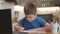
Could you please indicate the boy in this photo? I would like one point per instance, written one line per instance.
(31, 21)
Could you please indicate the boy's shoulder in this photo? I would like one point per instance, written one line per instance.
(39, 18)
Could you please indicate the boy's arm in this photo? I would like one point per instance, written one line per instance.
(46, 28)
(18, 27)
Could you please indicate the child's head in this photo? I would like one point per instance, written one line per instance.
(30, 11)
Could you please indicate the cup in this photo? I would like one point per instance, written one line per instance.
(54, 27)
(59, 27)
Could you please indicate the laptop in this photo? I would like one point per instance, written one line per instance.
(5, 21)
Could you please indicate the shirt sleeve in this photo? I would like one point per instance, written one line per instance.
(42, 22)
(21, 22)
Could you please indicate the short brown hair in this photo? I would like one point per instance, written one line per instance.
(30, 8)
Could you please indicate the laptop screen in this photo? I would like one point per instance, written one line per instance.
(5, 21)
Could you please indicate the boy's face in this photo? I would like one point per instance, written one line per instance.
(30, 17)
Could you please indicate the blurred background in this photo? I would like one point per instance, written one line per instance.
(47, 9)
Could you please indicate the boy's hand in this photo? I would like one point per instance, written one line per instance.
(47, 29)
(18, 28)
(21, 29)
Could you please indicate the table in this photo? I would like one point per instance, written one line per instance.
(51, 33)
(31, 33)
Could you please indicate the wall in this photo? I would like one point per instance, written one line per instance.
(48, 10)
(5, 5)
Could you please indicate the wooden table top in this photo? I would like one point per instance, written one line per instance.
(39, 33)
(51, 33)
(36, 32)
(44, 33)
